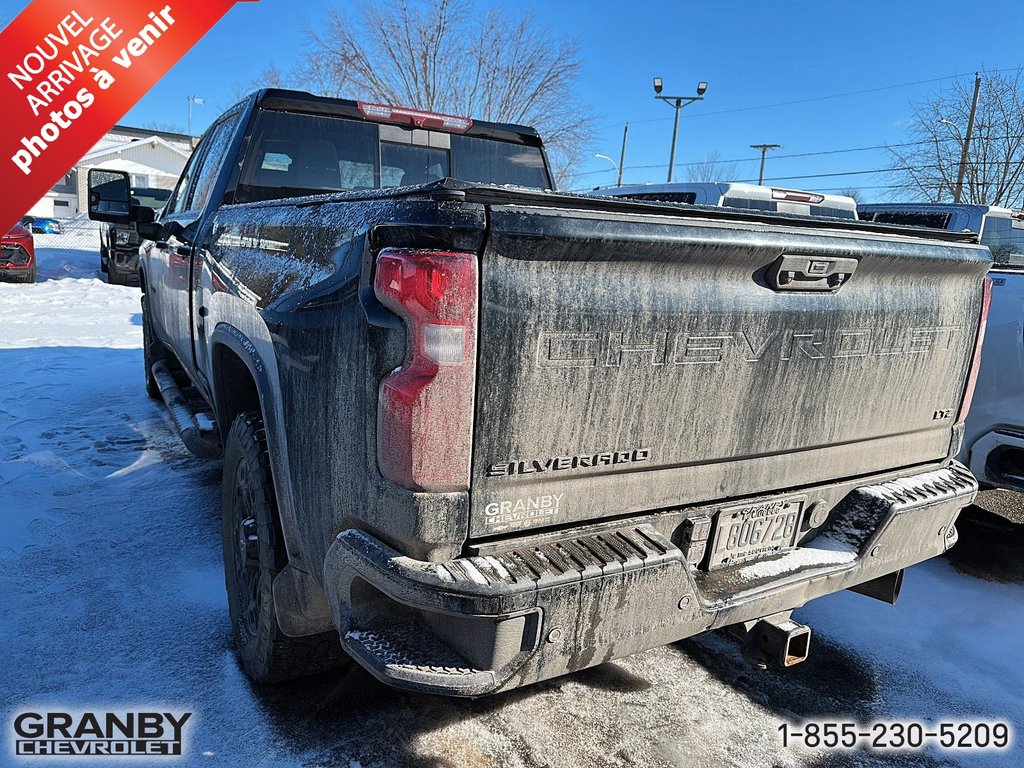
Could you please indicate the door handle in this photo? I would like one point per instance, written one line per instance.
(793, 272)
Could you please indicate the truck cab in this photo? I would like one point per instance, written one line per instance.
(739, 195)
(1001, 229)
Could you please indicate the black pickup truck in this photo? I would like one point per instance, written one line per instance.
(477, 433)
(119, 243)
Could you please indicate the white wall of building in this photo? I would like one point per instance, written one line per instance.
(152, 161)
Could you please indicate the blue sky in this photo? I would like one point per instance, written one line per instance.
(751, 53)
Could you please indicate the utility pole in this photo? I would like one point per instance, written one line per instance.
(678, 102)
(967, 140)
(622, 157)
(764, 153)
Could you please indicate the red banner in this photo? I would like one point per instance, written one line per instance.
(72, 69)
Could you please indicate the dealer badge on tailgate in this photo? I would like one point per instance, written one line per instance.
(751, 531)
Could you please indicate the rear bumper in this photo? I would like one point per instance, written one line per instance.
(997, 459)
(477, 625)
(16, 273)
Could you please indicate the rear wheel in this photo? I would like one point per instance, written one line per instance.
(104, 258)
(254, 554)
(152, 351)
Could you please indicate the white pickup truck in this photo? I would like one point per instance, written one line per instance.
(993, 444)
(738, 195)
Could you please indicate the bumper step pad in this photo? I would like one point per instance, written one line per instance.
(573, 559)
(872, 509)
(409, 648)
(940, 485)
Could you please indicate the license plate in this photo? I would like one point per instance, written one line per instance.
(752, 531)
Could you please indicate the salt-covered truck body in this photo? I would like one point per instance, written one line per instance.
(993, 445)
(477, 433)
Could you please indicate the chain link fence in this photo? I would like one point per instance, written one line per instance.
(66, 247)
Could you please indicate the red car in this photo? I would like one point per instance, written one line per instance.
(18, 255)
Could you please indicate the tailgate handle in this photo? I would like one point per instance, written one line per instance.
(792, 272)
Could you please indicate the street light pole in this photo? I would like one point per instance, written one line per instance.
(764, 153)
(675, 133)
(618, 168)
(677, 102)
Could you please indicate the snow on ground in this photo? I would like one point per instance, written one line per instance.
(111, 596)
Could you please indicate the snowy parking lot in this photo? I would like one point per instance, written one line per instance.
(112, 596)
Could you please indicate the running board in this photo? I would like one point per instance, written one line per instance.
(195, 427)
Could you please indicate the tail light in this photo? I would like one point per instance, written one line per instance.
(796, 196)
(20, 236)
(425, 414)
(972, 378)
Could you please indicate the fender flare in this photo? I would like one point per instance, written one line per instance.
(228, 336)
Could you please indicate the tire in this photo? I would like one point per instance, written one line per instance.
(114, 277)
(104, 259)
(152, 352)
(254, 554)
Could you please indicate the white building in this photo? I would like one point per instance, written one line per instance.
(153, 158)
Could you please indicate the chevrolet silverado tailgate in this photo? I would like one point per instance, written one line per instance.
(631, 362)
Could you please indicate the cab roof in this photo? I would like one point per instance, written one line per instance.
(308, 103)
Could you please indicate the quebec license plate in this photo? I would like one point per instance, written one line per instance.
(752, 531)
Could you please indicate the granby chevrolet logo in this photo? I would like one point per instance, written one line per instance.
(99, 734)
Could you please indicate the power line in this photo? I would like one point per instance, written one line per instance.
(873, 186)
(792, 155)
(830, 175)
(861, 172)
(774, 157)
(810, 99)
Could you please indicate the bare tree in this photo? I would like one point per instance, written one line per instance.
(710, 168)
(270, 77)
(854, 192)
(450, 56)
(926, 166)
(165, 126)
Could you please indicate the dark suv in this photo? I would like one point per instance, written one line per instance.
(119, 243)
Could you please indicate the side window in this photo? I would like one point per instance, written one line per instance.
(181, 191)
(217, 146)
(749, 202)
(995, 234)
(1004, 239)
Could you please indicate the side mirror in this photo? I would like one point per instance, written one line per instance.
(109, 196)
